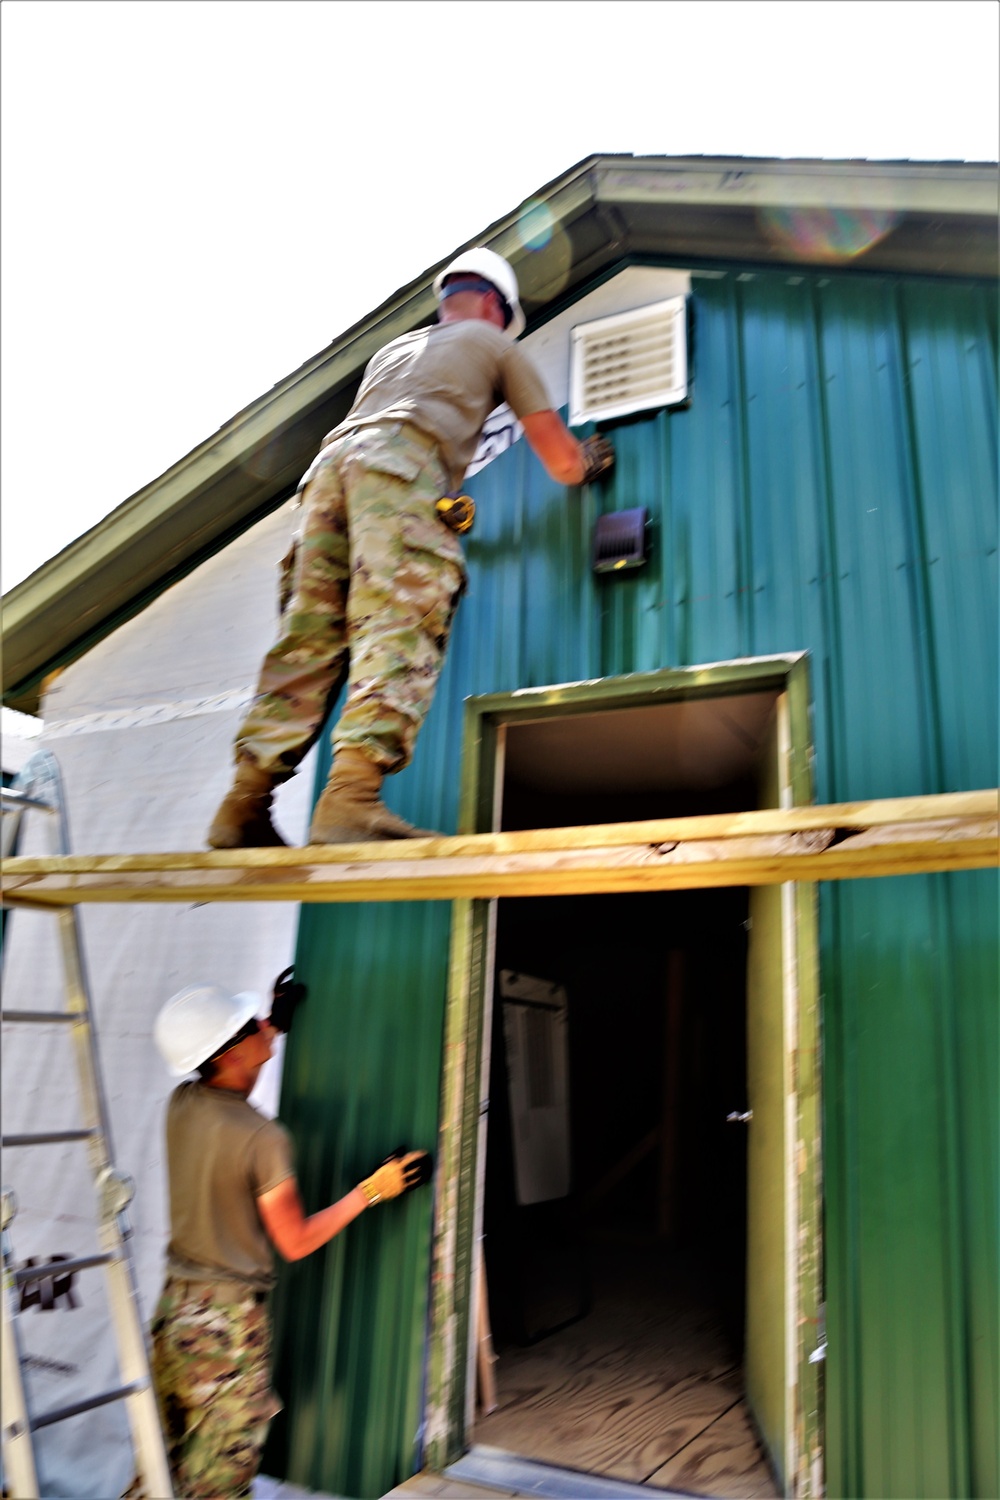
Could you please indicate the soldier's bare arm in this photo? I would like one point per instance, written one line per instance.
(566, 460)
(553, 443)
(294, 1235)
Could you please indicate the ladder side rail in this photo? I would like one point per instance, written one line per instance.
(15, 801)
(42, 782)
(40, 785)
(140, 1405)
(18, 1452)
(12, 817)
(115, 1193)
(93, 1100)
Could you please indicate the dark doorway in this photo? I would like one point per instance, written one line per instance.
(617, 1306)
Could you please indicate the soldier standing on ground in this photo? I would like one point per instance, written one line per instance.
(233, 1196)
(378, 570)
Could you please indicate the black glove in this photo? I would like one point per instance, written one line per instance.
(598, 457)
(399, 1173)
(287, 994)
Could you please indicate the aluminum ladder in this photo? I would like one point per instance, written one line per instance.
(39, 787)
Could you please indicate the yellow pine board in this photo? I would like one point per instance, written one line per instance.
(570, 861)
(955, 807)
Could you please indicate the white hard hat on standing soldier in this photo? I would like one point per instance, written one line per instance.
(486, 265)
(195, 1023)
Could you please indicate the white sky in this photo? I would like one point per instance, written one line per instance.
(198, 195)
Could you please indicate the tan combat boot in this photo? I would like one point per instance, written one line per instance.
(243, 820)
(350, 810)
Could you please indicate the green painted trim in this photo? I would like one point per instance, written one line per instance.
(451, 1309)
(810, 1402)
(637, 689)
(810, 1399)
(458, 1139)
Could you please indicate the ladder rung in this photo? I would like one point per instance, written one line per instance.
(49, 1137)
(20, 799)
(45, 1015)
(62, 1412)
(53, 1268)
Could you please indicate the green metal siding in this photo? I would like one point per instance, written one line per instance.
(831, 487)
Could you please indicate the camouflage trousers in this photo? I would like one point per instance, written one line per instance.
(371, 594)
(211, 1369)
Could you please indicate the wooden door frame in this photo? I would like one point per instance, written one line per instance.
(461, 1157)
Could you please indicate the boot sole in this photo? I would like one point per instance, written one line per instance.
(245, 840)
(344, 835)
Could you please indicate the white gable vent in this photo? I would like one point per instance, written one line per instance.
(628, 362)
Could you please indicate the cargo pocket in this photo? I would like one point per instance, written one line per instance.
(385, 456)
(429, 535)
(433, 575)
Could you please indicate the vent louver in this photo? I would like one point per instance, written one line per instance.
(629, 362)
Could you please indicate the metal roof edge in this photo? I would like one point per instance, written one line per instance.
(905, 187)
(226, 472)
(245, 432)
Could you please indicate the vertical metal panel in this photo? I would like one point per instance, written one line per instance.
(831, 487)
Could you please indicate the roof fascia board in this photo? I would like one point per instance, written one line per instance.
(565, 204)
(229, 448)
(604, 186)
(732, 181)
(962, 188)
(237, 440)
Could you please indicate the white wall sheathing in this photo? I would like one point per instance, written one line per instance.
(16, 747)
(142, 729)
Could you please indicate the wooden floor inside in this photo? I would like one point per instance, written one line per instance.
(646, 1388)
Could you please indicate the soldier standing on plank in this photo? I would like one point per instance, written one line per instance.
(234, 1199)
(379, 570)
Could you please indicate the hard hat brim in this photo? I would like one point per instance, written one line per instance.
(247, 1005)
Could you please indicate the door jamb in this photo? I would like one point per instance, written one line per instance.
(463, 1101)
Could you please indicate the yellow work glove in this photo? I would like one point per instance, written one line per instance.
(399, 1173)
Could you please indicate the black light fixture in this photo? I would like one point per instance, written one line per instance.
(620, 540)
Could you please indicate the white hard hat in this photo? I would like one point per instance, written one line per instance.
(196, 1022)
(492, 268)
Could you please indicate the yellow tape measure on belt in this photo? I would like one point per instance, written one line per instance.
(457, 511)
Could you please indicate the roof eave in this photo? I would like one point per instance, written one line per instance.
(256, 458)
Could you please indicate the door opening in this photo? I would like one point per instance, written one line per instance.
(630, 1192)
(616, 1290)
(617, 1309)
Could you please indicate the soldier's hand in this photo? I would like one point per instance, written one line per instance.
(286, 995)
(598, 457)
(399, 1173)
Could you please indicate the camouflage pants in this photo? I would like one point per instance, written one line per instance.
(211, 1368)
(376, 581)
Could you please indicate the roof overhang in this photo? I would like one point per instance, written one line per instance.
(937, 219)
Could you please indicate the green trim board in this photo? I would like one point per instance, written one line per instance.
(797, 1274)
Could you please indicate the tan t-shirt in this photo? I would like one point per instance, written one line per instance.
(221, 1155)
(446, 380)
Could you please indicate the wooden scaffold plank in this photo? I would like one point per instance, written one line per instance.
(840, 841)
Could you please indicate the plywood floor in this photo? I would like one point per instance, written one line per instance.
(647, 1388)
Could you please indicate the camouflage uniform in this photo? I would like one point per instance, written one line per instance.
(376, 580)
(211, 1367)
